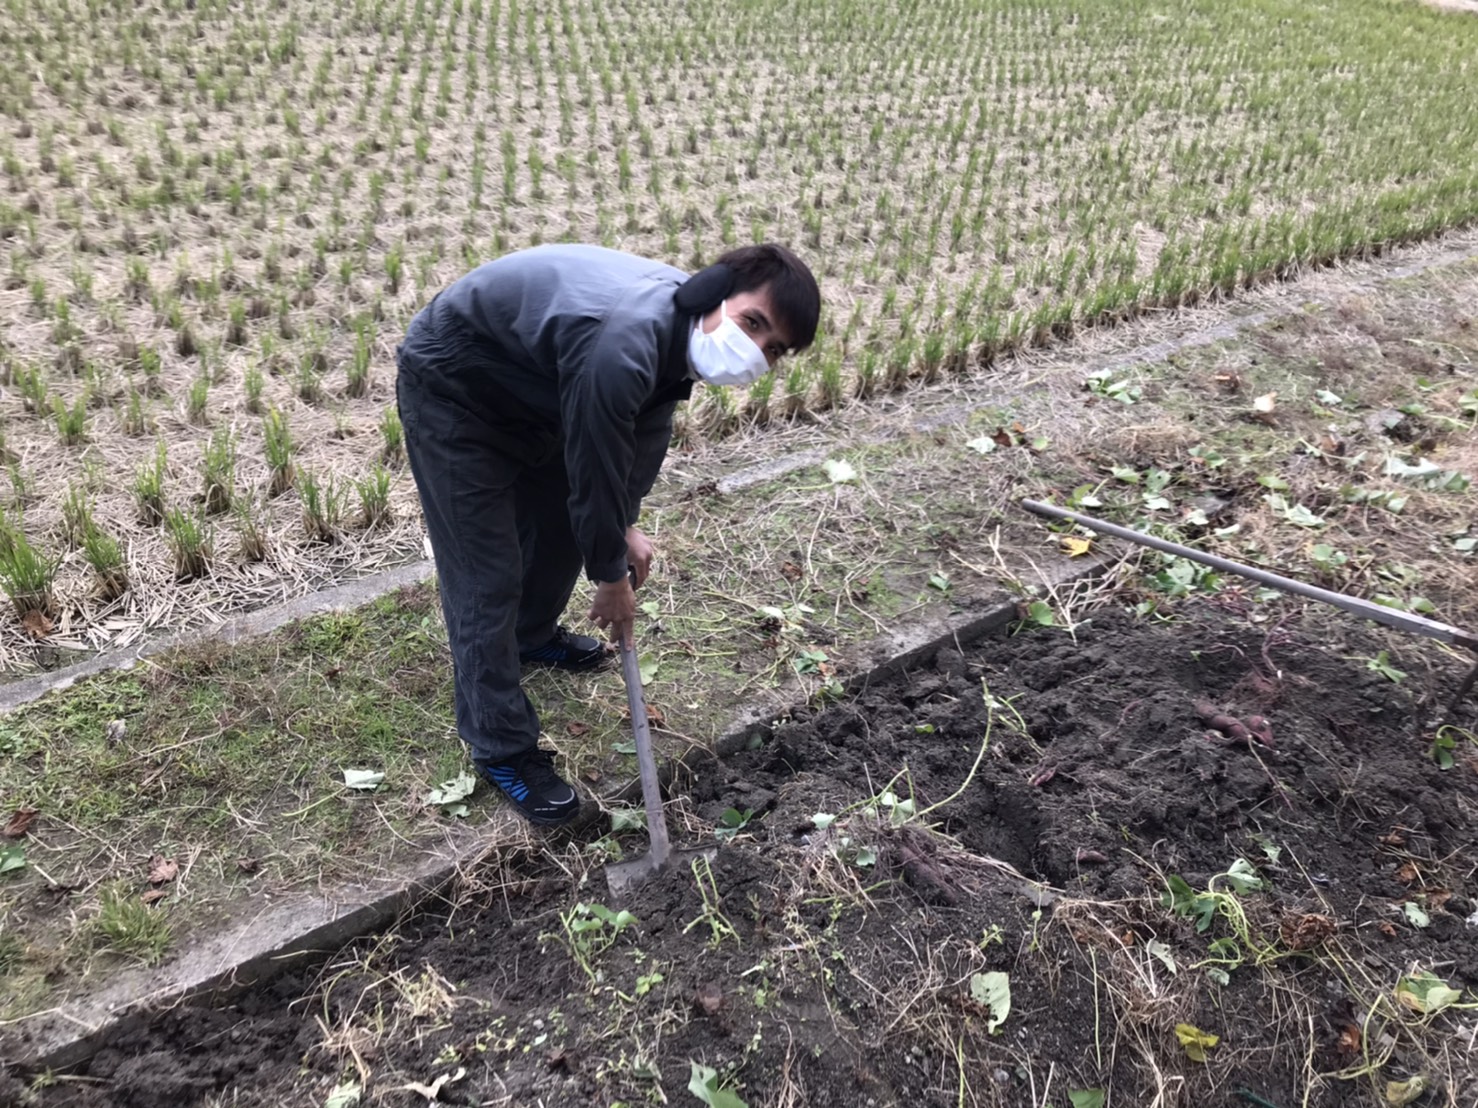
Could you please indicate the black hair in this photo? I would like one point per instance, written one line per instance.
(793, 291)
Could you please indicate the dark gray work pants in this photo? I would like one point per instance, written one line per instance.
(506, 559)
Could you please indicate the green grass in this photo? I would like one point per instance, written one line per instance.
(126, 926)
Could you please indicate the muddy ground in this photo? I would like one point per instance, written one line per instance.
(832, 956)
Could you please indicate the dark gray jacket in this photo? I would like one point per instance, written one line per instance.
(576, 351)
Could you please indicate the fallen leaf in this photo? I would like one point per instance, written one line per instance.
(162, 869)
(1394, 837)
(450, 791)
(1195, 1041)
(1386, 928)
(992, 990)
(365, 780)
(115, 731)
(648, 664)
(1304, 932)
(576, 728)
(982, 445)
(1075, 547)
(557, 1059)
(791, 572)
(1086, 1098)
(1162, 951)
(248, 865)
(1436, 898)
(1415, 914)
(1265, 403)
(1401, 1093)
(433, 1091)
(839, 470)
(1408, 874)
(36, 623)
(1349, 1040)
(19, 823)
(1426, 993)
(703, 1083)
(151, 895)
(343, 1095)
(655, 716)
(1091, 857)
(12, 856)
(1229, 382)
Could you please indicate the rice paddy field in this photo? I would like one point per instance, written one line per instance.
(216, 219)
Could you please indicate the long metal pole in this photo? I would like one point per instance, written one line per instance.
(651, 789)
(1405, 621)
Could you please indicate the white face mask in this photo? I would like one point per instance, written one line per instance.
(726, 355)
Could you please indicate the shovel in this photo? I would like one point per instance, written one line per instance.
(624, 876)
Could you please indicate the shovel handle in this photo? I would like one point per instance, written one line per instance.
(651, 790)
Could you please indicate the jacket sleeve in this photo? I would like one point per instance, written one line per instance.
(600, 396)
(653, 436)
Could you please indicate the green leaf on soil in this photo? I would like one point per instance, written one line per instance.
(866, 856)
(992, 990)
(1243, 877)
(1162, 951)
(939, 581)
(983, 445)
(732, 822)
(1426, 993)
(625, 746)
(1416, 914)
(650, 609)
(648, 663)
(1273, 481)
(1401, 1093)
(1126, 474)
(1195, 1041)
(1086, 1098)
(823, 820)
(12, 856)
(1156, 504)
(703, 1084)
(1219, 975)
(455, 811)
(839, 470)
(1465, 545)
(627, 819)
(1396, 467)
(1039, 612)
(1443, 744)
(1208, 457)
(1186, 902)
(367, 780)
(343, 1095)
(1381, 664)
(1334, 400)
(453, 790)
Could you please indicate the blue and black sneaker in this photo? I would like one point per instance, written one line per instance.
(535, 789)
(567, 650)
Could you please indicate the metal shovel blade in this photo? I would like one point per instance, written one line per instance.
(624, 876)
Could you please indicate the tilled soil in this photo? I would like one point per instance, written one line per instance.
(829, 955)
